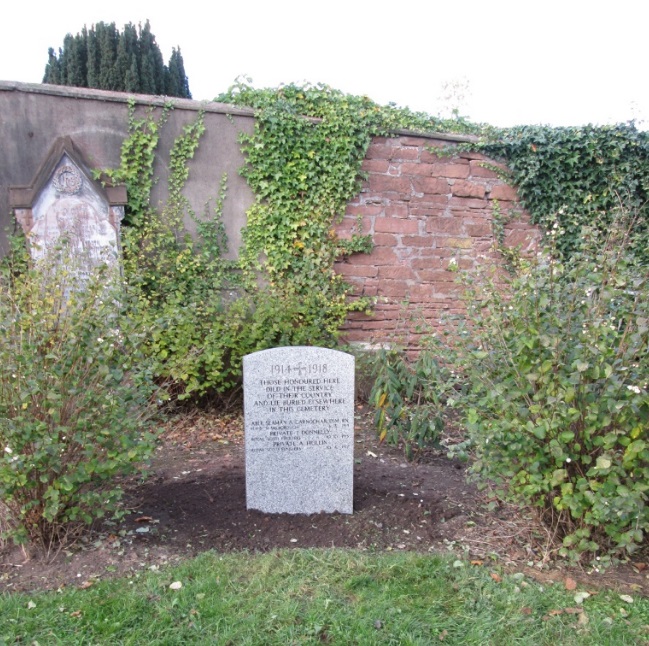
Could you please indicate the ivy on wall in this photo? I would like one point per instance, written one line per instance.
(304, 158)
(303, 162)
(304, 165)
(572, 177)
(136, 161)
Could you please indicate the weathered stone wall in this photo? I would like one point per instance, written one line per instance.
(429, 213)
(34, 116)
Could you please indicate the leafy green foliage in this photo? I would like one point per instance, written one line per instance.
(75, 397)
(199, 318)
(203, 313)
(303, 163)
(558, 404)
(128, 61)
(578, 175)
(410, 398)
(183, 285)
(136, 163)
(552, 363)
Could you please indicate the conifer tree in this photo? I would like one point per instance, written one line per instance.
(128, 61)
(176, 83)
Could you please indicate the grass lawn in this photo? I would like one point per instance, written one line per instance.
(324, 596)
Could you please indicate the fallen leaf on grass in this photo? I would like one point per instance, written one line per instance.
(176, 585)
(477, 562)
(526, 611)
(86, 584)
(580, 597)
(30, 605)
(573, 611)
(570, 584)
(443, 635)
(76, 613)
(626, 598)
(496, 577)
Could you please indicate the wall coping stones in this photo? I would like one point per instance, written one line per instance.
(124, 97)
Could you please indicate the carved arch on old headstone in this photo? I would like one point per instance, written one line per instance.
(64, 201)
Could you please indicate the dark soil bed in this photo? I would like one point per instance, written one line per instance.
(194, 500)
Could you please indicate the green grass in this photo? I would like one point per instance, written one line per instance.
(316, 597)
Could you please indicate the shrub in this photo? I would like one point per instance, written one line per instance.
(557, 364)
(75, 398)
(199, 345)
(199, 316)
(410, 399)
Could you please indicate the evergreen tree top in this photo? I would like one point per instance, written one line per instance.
(102, 57)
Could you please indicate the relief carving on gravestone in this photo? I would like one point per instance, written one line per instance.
(64, 205)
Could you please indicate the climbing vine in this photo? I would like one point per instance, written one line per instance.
(573, 177)
(304, 165)
(303, 162)
(136, 161)
(178, 280)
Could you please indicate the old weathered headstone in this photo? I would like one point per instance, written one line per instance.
(65, 207)
(299, 430)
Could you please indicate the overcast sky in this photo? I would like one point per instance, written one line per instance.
(568, 62)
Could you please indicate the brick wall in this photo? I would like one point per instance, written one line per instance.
(422, 210)
(426, 213)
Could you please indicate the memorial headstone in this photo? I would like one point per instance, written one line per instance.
(299, 430)
(65, 206)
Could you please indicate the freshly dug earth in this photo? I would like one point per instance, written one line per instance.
(194, 500)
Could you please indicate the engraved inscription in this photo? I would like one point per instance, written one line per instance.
(298, 395)
(70, 209)
(299, 430)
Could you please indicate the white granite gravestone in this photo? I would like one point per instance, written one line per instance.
(299, 430)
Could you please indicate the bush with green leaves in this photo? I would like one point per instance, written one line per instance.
(557, 363)
(76, 398)
(411, 398)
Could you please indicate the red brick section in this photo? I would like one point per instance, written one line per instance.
(429, 213)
